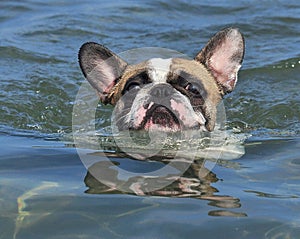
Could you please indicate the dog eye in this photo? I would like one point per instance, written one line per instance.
(184, 83)
(132, 85)
(192, 88)
(136, 82)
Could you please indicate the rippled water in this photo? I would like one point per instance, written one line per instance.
(42, 180)
(39, 43)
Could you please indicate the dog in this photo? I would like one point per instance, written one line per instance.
(166, 94)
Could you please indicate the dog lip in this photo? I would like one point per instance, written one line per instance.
(160, 115)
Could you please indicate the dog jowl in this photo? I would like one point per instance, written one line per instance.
(166, 94)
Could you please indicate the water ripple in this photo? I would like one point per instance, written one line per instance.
(10, 52)
(40, 74)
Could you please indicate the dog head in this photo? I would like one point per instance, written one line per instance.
(166, 94)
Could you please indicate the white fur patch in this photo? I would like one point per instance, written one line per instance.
(159, 69)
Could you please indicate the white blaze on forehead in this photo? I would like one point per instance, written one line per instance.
(158, 69)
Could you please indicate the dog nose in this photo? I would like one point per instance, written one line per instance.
(161, 91)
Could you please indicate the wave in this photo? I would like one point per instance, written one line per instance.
(15, 53)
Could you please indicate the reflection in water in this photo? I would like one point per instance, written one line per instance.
(195, 182)
(173, 165)
(25, 218)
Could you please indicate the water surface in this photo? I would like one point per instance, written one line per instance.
(45, 190)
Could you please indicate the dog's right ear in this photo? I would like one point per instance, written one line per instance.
(101, 67)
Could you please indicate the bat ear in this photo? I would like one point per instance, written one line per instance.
(101, 67)
(223, 56)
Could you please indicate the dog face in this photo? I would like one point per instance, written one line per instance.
(166, 94)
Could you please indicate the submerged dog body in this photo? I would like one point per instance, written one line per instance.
(166, 94)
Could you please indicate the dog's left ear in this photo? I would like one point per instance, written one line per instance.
(223, 56)
(101, 67)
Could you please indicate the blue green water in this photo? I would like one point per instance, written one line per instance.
(45, 190)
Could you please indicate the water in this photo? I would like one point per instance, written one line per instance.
(46, 192)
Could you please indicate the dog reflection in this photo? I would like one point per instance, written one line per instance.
(196, 182)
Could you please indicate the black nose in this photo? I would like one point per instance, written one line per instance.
(161, 91)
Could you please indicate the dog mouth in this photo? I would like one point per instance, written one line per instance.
(159, 116)
(169, 116)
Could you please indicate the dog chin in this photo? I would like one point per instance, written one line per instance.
(166, 126)
(157, 127)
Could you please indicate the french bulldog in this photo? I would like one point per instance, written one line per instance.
(166, 94)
